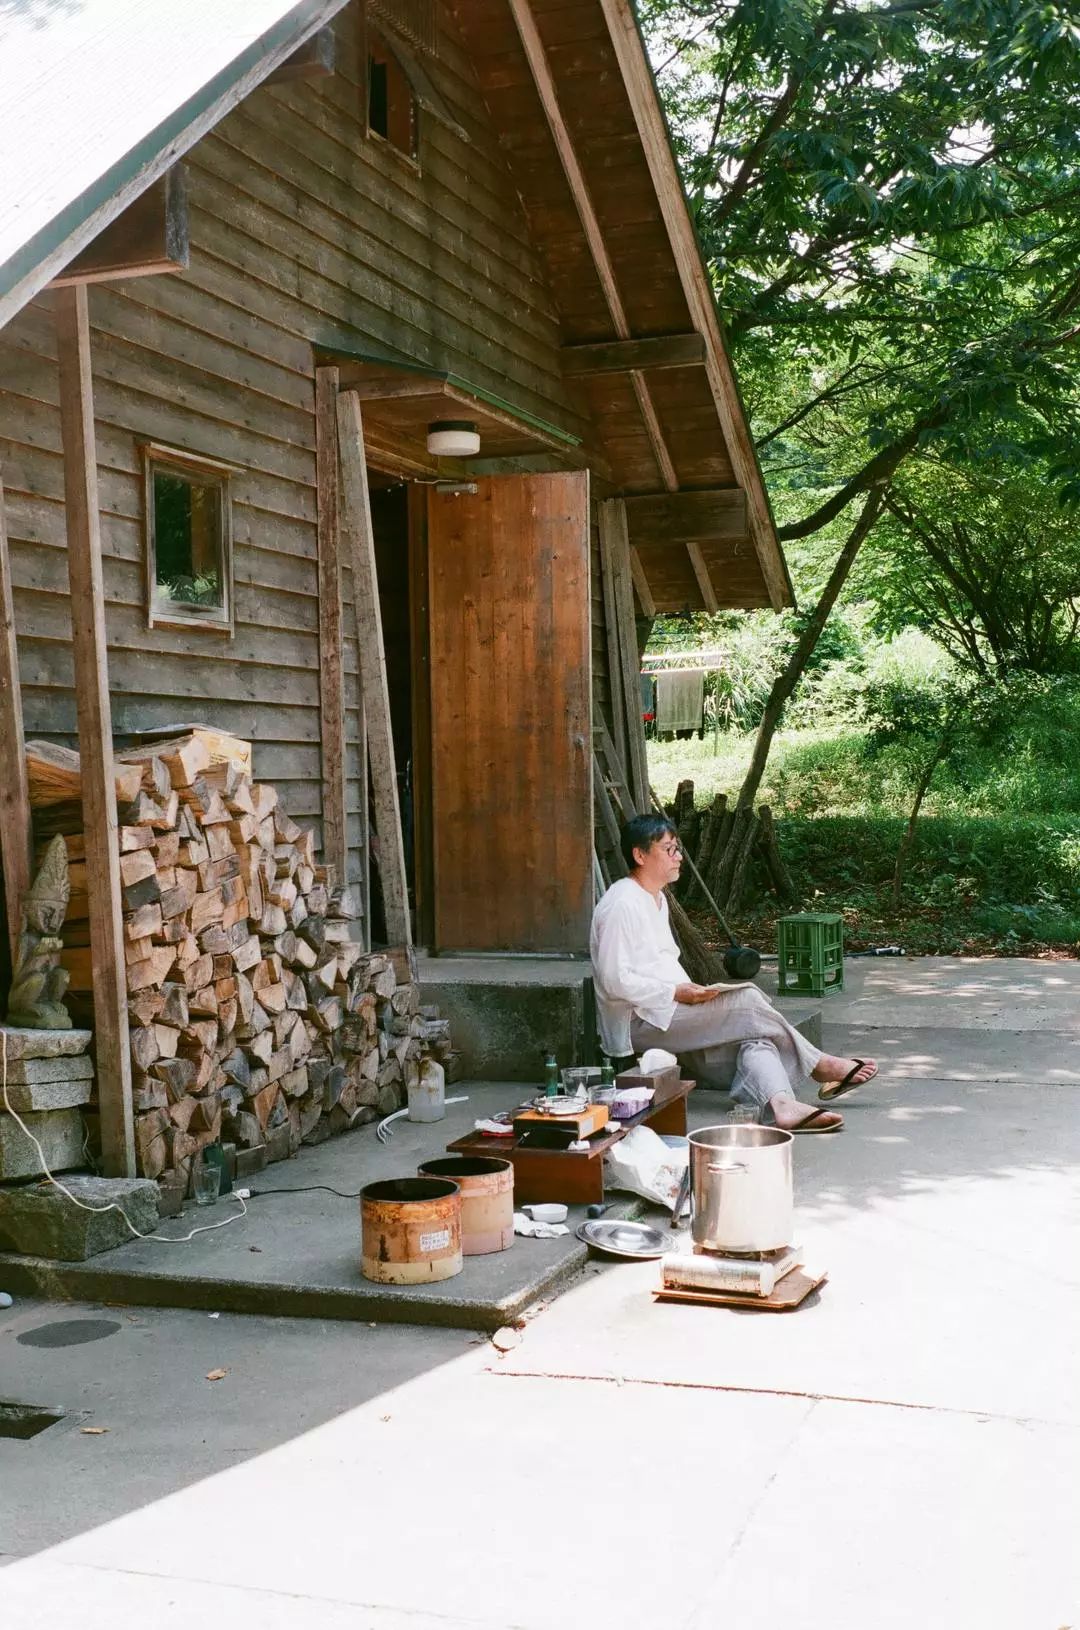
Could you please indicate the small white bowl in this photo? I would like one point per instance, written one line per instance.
(546, 1213)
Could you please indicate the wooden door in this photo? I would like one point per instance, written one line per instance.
(508, 576)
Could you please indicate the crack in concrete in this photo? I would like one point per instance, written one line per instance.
(452, 1621)
(775, 1392)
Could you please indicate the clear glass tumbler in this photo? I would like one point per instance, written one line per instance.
(206, 1181)
(741, 1115)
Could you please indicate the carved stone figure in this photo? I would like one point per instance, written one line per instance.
(35, 1001)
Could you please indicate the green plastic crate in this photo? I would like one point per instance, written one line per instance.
(810, 950)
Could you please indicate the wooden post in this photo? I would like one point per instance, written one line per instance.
(615, 553)
(331, 653)
(360, 542)
(95, 733)
(14, 797)
(363, 877)
(420, 652)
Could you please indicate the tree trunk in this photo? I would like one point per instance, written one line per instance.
(920, 793)
(785, 682)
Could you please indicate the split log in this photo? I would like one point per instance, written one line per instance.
(54, 776)
(769, 849)
(741, 866)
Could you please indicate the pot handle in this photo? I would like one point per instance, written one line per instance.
(727, 1170)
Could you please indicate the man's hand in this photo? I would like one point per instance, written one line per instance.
(692, 994)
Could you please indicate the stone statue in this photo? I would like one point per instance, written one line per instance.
(35, 1001)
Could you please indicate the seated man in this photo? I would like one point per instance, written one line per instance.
(727, 1035)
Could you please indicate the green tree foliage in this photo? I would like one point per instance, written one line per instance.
(986, 562)
(887, 197)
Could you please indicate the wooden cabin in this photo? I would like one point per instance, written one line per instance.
(252, 260)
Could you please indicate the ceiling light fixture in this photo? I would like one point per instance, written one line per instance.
(453, 438)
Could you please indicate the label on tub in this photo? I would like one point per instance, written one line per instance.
(437, 1241)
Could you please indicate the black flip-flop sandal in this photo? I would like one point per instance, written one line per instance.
(837, 1089)
(819, 1131)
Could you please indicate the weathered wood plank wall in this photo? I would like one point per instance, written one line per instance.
(304, 231)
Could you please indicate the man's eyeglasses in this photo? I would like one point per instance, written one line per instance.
(671, 849)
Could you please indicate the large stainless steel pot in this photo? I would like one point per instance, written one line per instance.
(740, 1182)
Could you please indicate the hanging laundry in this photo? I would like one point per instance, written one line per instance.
(680, 699)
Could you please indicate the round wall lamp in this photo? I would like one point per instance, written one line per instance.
(453, 438)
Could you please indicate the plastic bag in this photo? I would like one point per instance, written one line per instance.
(644, 1164)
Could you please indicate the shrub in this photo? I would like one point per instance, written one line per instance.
(1008, 863)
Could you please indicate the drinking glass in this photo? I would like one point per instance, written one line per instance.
(206, 1182)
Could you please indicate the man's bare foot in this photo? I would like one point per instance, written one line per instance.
(788, 1113)
(831, 1068)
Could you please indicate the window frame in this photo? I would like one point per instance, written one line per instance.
(161, 613)
(376, 37)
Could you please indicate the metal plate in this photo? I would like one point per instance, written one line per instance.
(630, 1239)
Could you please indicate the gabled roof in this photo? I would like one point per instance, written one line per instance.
(99, 97)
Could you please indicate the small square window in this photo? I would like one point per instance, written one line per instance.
(188, 539)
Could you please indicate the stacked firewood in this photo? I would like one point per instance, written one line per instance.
(730, 847)
(256, 1017)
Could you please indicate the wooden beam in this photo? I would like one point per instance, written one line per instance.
(704, 581)
(420, 644)
(360, 544)
(615, 548)
(620, 356)
(686, 517)
(15, 829)
(641, 585)
(590, 224)
(151, 236)
(315, 59)
(95, 733)
(331, 658)
(645, 104)
(611, 631)
(664, 462)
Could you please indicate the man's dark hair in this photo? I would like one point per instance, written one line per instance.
(641, 833)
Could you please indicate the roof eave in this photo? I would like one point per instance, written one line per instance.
(644, 96)
(38, 260)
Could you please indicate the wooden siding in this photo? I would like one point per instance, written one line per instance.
(304, 232)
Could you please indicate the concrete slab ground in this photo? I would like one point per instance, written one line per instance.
(299, 1253)
(904, 1450)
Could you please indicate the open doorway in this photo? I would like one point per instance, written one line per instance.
(397, 524)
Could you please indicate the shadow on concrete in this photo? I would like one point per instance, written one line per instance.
(143, 1421)
(907, 1139)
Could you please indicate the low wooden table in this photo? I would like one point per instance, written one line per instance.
(576, 1177)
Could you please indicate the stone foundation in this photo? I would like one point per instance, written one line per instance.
(38, 1220)
(47, 1077)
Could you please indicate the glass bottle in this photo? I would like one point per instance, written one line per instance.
(551, 1076)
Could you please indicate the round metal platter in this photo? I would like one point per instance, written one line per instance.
(631, 1239)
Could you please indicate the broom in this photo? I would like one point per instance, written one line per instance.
(703, 965)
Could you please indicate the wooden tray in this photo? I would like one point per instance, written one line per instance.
(793, 1289)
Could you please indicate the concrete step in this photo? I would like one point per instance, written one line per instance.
(505, 1013)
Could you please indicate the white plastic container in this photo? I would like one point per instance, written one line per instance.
(427, 1100)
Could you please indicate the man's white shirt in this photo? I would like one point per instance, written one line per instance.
(636, 966)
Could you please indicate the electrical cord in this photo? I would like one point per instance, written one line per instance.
(111, 1205)
(307, 1188)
